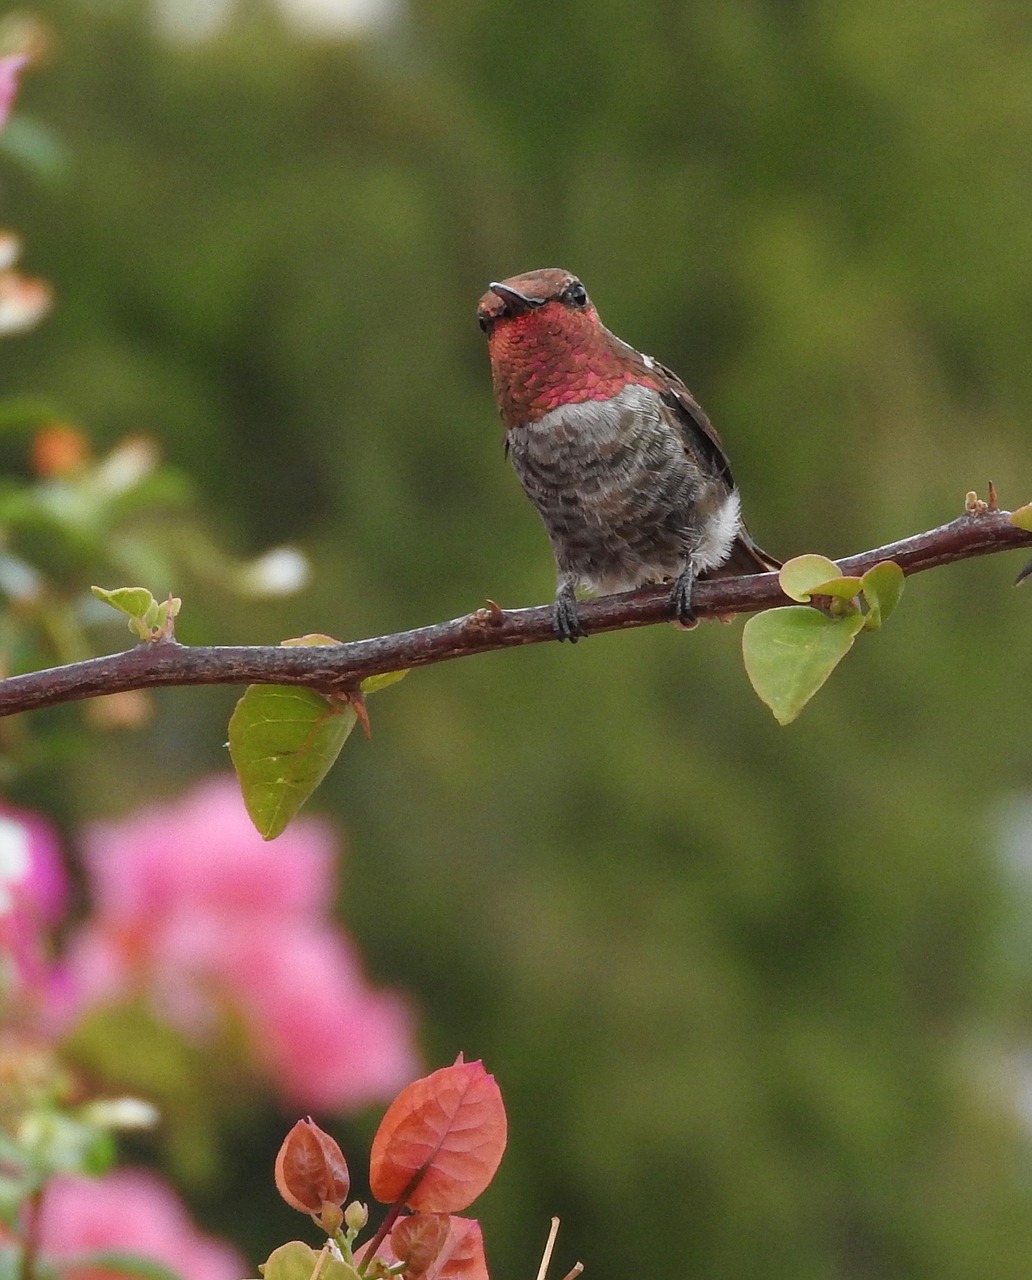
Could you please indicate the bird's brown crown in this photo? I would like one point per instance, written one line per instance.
(548, 347)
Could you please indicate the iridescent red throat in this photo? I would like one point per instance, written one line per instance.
(552, 356)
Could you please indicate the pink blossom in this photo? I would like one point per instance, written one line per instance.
(323, 1034)
(33, 897)
(132, 1211)
(203, 850)
(194, 910)
(9, 69)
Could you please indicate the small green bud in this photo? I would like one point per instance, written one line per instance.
(356, 1215)
(329, 1218)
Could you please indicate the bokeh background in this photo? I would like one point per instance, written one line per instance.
(757, 998)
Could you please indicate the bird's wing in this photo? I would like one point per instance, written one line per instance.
(700, 435)
(700, 438)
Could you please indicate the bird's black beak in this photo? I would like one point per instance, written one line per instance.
(517, 301)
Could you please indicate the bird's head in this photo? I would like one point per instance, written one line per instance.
(547, 345)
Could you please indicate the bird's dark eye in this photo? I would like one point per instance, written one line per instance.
(576, 295)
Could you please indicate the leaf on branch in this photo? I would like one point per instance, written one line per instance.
(373, 684)
(801, 577)
(148, 620)
(313, 640)
(882, 587)
(789, 653)
(1022, 518)
(440, 1141)
(283, 740)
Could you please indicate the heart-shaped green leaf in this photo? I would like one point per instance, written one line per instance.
(282, 741)
(801, 577)
(790, 652)
(882, 587)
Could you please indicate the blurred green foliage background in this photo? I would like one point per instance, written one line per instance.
(742, 986)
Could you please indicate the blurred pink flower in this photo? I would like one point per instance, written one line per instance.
(9, 69)
(193, 909)
(33, 898)
(132, 1211)
(324, 1036)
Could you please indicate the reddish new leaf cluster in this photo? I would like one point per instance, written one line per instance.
(436, 1247)
(436, 1149)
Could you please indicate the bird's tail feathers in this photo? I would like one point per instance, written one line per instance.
(746, 557)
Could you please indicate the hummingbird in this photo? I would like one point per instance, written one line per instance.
(626, 471)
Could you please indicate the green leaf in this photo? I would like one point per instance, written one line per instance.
(840, 588)
(125, 1264)
(297, 1261)
(790, 652)
(148, 619)
(882, 587)
(373, 684)
(1023, 517)
(282, 741)
(134, 602)
(801, 577)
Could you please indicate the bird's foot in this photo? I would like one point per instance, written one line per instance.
(680, 603)
(565, 619)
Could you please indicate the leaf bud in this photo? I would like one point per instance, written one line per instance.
(330, 1218)
(311, 1172)
(356, 1215)
(418, 1239)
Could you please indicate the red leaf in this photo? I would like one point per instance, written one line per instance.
(441, 1140)
(418, 1239)
(311, 1171)
(460, 1256)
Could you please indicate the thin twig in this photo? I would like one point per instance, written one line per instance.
(546, 1257)
(340, 667)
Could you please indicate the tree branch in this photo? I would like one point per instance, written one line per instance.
(326, 667)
